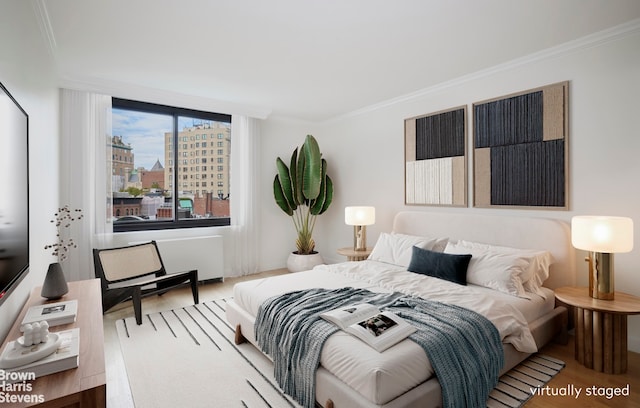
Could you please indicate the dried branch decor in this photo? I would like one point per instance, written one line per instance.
(63, 220)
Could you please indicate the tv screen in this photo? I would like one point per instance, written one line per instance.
(14, 193)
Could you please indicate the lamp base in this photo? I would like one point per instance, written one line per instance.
(359, 238)
(601, 283)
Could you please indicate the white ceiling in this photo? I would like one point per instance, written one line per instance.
(307, 59)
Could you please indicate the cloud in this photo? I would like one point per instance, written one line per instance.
(144, 132)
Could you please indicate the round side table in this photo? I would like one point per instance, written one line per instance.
(601, 328)
(353, 255)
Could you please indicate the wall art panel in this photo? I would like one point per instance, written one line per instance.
(521, 149)
(435, 159)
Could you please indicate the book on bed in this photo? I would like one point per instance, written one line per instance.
(379, 329)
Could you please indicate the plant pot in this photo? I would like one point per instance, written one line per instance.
(298, 263)
(55, 285)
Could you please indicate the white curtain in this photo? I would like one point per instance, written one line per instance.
(245, 196)
(85, 175)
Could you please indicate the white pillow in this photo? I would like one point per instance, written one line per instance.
(396, 248)
(500, 271)
(540, 273)
(539, 263)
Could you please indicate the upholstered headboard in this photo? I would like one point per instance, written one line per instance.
(512, 231)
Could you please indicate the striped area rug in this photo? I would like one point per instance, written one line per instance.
(515, 387)
(187, 357)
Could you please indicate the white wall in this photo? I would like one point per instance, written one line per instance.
(27, 72)
(365, 151)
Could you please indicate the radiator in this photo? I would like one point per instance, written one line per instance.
(202, 253)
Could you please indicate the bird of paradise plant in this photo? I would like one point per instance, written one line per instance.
(303, 190)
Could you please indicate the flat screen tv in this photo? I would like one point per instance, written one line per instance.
(14, 193)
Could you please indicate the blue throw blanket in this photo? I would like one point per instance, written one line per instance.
(464, 347)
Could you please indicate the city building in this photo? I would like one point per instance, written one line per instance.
(122, 163)
(203, 160)
(154, 178)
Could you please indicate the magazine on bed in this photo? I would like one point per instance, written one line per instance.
(380, 330)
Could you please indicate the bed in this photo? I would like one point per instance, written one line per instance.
(350, 375)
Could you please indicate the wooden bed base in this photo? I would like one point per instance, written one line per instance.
(239, 338)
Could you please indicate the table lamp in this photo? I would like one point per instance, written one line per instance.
(602, 237)
(359, 217)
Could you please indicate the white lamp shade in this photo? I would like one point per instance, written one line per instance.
(359, 215)
(602, 234)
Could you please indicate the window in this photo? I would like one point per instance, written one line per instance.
(147, 140)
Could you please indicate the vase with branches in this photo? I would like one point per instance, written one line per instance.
(55, 285)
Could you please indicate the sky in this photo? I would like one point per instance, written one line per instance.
(145, 132)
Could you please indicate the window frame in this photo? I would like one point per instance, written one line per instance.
(175, 113)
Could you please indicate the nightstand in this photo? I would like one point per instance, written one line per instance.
(353, 255)
(601, 328)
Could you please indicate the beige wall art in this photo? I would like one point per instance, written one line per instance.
(435, 159)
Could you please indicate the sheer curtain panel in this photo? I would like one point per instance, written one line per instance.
(85, 175)
(245, 195)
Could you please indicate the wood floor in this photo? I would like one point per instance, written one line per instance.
(588, 381)
(572, 378)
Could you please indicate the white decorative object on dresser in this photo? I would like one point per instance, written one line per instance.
(57, 354)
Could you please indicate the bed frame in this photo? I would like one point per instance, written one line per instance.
(519, 232)
(512, 231)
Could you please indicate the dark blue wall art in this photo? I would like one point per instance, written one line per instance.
(521, 149)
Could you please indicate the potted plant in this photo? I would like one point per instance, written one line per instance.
(303, 190)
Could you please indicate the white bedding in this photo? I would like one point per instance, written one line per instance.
(380, 377)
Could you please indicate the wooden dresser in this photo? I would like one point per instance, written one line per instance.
(84, 386)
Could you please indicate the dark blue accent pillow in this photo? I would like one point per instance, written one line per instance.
(449, 267)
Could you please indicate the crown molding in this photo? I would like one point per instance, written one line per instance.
(132, 91)
(592, 40)
(198, 102)
(44, 24)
